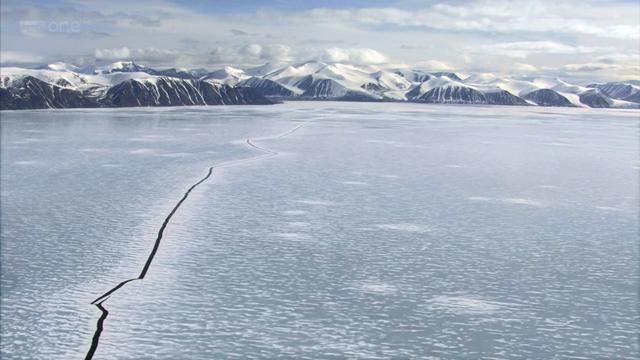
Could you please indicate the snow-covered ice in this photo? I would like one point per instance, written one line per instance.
(472, 238)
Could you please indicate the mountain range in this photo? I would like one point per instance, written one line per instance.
(125, 84)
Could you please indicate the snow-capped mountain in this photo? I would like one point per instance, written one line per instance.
(121, 66)
(318, 80)
(123, 84)
(444, 89)
(62, 66)
(127, 83)
(29, 92)
(268, 87)
(165, 91)
(628, 91)
(265, 69)
(228, 75)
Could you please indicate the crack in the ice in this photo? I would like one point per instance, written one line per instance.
(98, 332)
(102, 298)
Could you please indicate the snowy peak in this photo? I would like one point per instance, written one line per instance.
(121, 66)
(122, 84)
(414, 76)
(442, 89)
(10, 75)
(264, 70)
(61, 66)
(622, 90)
(296, 70)
(228, 75)
(547, 97)
(450, 75)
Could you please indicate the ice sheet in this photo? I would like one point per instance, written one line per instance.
(378, 231)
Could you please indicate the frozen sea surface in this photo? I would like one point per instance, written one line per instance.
(377, 231)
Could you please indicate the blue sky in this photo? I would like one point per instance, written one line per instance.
(585, 38)
(230, 6)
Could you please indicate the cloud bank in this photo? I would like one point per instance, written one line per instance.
(570, 37)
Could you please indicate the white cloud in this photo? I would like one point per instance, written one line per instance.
(577, 34)
(589, 67)
(254, 54)
(435, 65)
(630, 67)
(149, 54)
(499, 16)
(122, 53)
(19, 57)
(522, 49)
(612, 66)
(616, 58)
(524, 68)
(354, 56)
(250, 54)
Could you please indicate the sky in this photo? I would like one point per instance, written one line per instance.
(579, 39)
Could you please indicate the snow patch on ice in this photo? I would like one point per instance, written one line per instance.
(291, 235)
(384, 142)
(298, 224)
(295, 212)
(142, 151)
(386, 176)
(26, 162)
(479, 198)
(557, 143)
(315, 202)
(516, 201)
(403, 227)
(356, 183)
(521, 201)
(466, 305)
(607, 208)
(175, 155)
(381, 288)
(548, 187)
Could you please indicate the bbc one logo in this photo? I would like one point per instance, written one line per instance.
(35, 27)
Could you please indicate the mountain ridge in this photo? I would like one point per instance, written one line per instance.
(126, 83)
